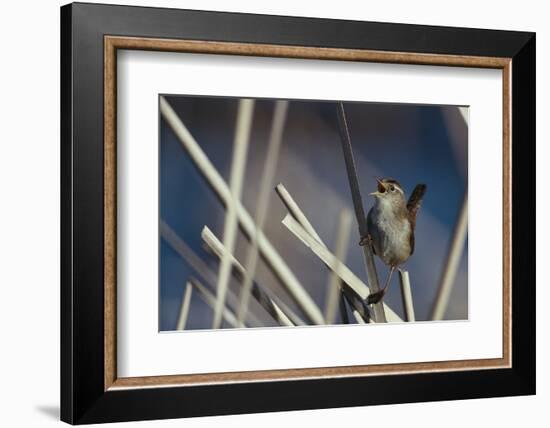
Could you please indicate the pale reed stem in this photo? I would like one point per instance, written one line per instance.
(184, 309)
(210, 299)
(236, 178)
(452, 263)
(333, 287)
(406, 295)
(220, 251)
(355, 286)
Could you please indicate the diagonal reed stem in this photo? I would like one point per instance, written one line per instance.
(207, 275)
(352, 297)
(452, 262)
(210, 299)
(355, 290)
(263, 298)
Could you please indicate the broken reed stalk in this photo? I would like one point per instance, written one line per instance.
(368, 255)
(268, 252)
(406, 296)
(356, 292)
(355, 289)
(334, 294)
(269, 305)
(200, 267)
(266, 183)
(296, 213)
(184, 309)
(231, 225)
(294, 210)
(452, 262)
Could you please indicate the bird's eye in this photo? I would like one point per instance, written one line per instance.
(392, 188)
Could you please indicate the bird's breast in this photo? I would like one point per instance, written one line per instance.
(391, 237)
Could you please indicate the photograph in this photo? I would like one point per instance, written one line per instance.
(292, 213)
(264, 211)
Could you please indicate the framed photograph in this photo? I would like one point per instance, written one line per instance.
(265, 213)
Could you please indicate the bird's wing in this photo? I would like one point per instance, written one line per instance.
(415, 201)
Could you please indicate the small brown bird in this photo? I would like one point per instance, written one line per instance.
(391, 222)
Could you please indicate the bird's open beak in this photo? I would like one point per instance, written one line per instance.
(381, 188)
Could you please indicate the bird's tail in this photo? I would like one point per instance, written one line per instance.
(415, 201)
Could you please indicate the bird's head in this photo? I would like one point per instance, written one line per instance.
(389, 191)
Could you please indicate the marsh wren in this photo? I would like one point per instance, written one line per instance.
(390, 224)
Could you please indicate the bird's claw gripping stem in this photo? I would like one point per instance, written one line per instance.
(374, 298)
(364, 240)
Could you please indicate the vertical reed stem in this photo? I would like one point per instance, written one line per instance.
(266, 183)
(374, 284)
(334, 287)
(406, 295)
(184, 310)
(238, 164)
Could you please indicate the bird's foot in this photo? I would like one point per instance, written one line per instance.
(374, 298)
(364, 240)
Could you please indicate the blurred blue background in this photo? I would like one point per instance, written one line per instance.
(411, 143)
